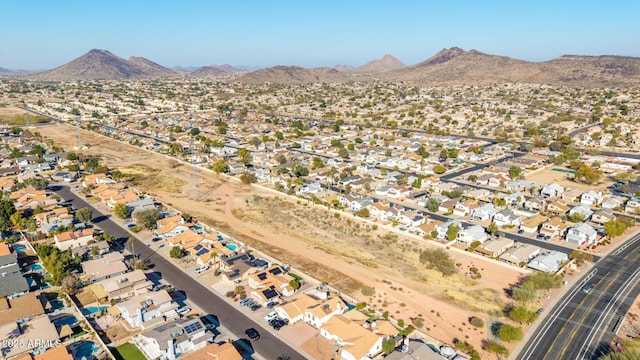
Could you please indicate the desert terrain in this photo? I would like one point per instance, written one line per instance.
(328, 246)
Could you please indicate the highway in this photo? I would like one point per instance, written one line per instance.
(269, 346)
(583, 323)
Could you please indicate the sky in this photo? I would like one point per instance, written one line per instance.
(45, 34)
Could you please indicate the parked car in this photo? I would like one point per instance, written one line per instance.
(270, 316)
(244, 301)
(272, 304)
(255, 307)
(183, 311)
(280, 323)
(202, 269)
(520, 231)
(159, 287)
(252, 334)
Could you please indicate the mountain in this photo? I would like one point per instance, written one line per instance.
(13, 72)
(386, 63)
(294, 75)
(150, 68)
(457, 66)
(344, 68)
(217, 70)
(101, 64)
(189, 68)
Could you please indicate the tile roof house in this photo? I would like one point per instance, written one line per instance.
(495, 247)
(555, 227)
(318, 314)
(591, 197)
(147, 309)
(110, 265)
(471, 234)
(223, 351)
(26, 306)
(557, 208)
(506, 217)
(549, 262)
(520, 254)
(270, 284)
(602, 216)
(169, 341)
(294, 310)
(355, 341)
(73, 239)
(583, 209)
(580, 234)
(122, 286)
(552, 190)
(26, 336)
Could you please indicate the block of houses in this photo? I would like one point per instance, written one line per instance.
(109, 265)
(354, 341)
(549, 262)
(555, 227)
(580, 234)
(602, 216)
(552, 190)
(581, 209)
(169, 341)
(557, 208)
(122, 286)
(270, 284)
(506, 217)
(591, 198)
(495, 247)
(73, 239)
(471, 234)
(147, 309)
(520, 254)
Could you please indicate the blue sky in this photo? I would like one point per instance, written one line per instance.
(45, 34)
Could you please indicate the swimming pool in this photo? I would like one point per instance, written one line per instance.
(564, 170)
(19, 248)
(220, 238)
(57, 304)
(83, 350)
(65, 320)
(34, 267)
(232, 247)
(94, 309)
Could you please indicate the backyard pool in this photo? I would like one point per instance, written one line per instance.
(65, 320)
(564, 170)
(232, 247)
(220, 238)
(34, 267)
(94, 309)
(82, 350)
(57, 304)
(19, 248)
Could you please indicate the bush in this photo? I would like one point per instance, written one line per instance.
(418, 322)
(176, 252)
(368, 291)
(510, 333)
(476, 322)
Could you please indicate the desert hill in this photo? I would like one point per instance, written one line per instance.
(294, 75)
(217, 70)
(102, 64)
(386, 63)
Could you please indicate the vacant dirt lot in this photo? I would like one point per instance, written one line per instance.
(331, 247)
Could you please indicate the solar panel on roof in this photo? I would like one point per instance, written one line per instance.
(270, 293)
(198, 247)
(262, 276)
(276, 271)
(202, 252)
(192, 327)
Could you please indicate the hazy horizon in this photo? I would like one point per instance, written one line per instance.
(44, 35)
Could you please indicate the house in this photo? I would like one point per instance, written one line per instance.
(484, 212)
(557, 208)
(73, 239)
(148, 309)
(355, 342)
(471, 234)
(580, 234)
(6, 184)
(447, 206)
(613, 202)
(549, 262)
(591, 198)
(270, 284)
(427, 228)
(495, 247)
(26, 306)
(97, 179)
(520, 254)
(169, 341)
(464, 208)
(215, 351)
(360, 203)
(571, 195)
(397, 192)
(554, 227)
(417, 350)
(12, 283)
(411, 219)
(602, 216)
(552, 190)
(122, 286)
(109, 265)
(535, 204)
(444, 227)
(515, 199)
(294, 310)
(581, 209)
(34, 333)
(506, 217)
(237, 269)
(318, 315)
(532, 224)
(633, 206)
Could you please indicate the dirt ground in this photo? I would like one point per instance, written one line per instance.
(9, 112)
(336, 249)
(547, 174)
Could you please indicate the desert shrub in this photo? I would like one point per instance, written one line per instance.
(368, 291)
(476, 322)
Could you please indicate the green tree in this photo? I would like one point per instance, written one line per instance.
(95, 251)
(147, 218)
(244, 156)
(545, 281)
(248, 178)
(522, 315)
(176, 149)
(614, 228)
(388, 346)
(432, 205)
(122, 211)
(514, 172)
(194, 131)
(38, 183)
(85, 215)
(438, 259)
(364, 213)
(343, 153)
(452, 232)
(220, 166)
(444, 154)
(588, 175)
(524, 293)
(510, 333)
(176, 252)
(317, 163)
(295, 285)
(495, 347)
(439, 169)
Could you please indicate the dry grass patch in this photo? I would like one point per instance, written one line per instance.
(484, 300)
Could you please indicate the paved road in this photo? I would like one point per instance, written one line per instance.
(583, 324)
(269, 346)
